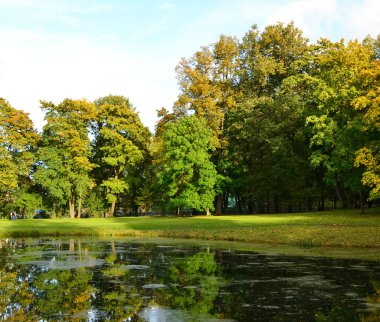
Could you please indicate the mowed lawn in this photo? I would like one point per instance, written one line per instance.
(331, 228)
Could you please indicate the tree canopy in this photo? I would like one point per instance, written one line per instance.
(187, 175)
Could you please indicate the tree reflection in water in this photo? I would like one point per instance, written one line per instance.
(116, 281)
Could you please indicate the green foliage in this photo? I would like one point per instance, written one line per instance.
(267, 59)
(120, 144)
(270, 148)
(95, 204)
(28, 202)
(63, 165)
(369, 103)
(199, 269)
(68, 292)
(18, 141)
(188, 177)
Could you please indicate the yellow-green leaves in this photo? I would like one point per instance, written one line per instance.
(64, 155)
(18, 140)
(207, 88)
(371, 177)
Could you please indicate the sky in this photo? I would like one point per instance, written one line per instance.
(56, 49)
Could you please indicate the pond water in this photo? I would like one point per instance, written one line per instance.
(99, 280)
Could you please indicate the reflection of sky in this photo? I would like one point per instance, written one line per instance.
(159, 314)
(68, 263)
(91, 48)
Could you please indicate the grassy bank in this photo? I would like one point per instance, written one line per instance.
(335, 229)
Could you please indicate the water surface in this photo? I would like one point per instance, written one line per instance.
(93, 280)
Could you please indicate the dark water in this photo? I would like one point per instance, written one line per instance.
(90, 280)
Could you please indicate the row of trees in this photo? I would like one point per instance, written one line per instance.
(265, 123)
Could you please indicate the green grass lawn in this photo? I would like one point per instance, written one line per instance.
(330, 228)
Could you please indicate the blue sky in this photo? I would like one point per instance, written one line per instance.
(54, 49)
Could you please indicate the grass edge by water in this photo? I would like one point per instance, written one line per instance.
(345, 229)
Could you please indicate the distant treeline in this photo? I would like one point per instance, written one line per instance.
(266, 123)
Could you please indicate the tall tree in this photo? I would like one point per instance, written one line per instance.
(120, 145)
(187, 177)
(338, 78)
(18, 140)
(208, 89)
(270, 151)
(369, 104)
(267, 129)
(63, 159)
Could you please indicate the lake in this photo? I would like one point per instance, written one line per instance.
(132, 280)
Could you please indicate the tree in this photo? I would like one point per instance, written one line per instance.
(120, 144)
(207, 85)
(187, 177)
(368, 156)
(18, 140)
(63, 165)
(339, 77)
(268, 153)
(269, 58)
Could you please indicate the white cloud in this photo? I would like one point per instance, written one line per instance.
(37, 66)
(332, 19)
(314, 18)
(361, 19)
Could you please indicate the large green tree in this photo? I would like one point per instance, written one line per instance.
(268, 153)
(64, 165)
(187, 176)
(120, 146)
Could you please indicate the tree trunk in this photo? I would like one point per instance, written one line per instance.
(177, 211)
(334, 201)
(79, 206)
(72, 246)
(218, 205)
(71, 208)
(112, 209)
(238, 203)
(208, 212)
